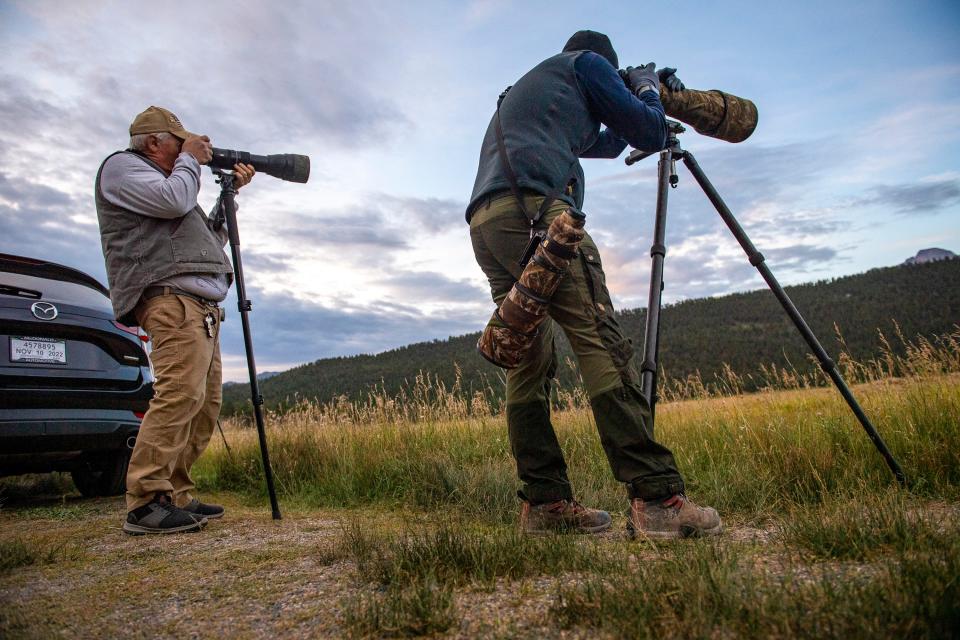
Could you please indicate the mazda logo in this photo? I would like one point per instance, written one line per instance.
(44, 310)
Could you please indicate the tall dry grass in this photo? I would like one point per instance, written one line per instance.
(752, 454)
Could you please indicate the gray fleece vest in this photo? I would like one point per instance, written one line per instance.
(140, 250)
(546, 126)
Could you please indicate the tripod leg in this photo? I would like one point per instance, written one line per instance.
(227, 193)
(651, 339)
(757, 260)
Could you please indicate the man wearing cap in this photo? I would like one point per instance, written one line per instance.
(167, 273)
(529, 173)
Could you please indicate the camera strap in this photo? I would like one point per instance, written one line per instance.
(512, 178)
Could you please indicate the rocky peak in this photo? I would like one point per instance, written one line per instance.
(930, 255)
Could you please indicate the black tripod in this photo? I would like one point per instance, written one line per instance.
(227, 195)
(668, 178)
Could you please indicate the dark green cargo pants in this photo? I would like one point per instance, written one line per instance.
(582, 308)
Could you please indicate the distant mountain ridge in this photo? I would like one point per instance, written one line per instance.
(930, 255)
(740, 330)
(261, 376)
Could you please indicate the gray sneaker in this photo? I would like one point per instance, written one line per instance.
(161, 516)
(203, 510)
(675, 517)
(562, 516)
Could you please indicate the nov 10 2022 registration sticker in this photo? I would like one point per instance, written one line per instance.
(37, 350)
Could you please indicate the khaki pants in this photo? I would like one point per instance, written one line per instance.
(186, 400)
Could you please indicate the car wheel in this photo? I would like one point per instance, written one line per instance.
(103, 476)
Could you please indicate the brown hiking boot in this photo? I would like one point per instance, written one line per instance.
(675, 517)
(562, 516)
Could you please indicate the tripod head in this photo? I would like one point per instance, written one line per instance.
(674, 129)
(224, 178)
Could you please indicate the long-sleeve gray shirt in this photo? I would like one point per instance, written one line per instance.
(129, 182)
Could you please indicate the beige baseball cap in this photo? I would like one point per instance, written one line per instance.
(158, 120)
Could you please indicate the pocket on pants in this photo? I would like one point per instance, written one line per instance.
(620, 348)
(160, 317)
(611, 335)
(596, 280)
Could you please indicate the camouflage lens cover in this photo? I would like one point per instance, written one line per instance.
(503, 346)
(510, 333)
(712, 113)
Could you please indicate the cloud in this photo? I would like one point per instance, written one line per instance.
(384, 222)
(30, 196)
(314, 93)
(288, 330)
(765, 188)
(925, 197)
(431, 286)
(363, 229)
(709, 266)
(800, 257)
(429, 214)
(25, 107)
(748, 180)
(264, 263)
(389, 104)
(34, 125)
(40, 221)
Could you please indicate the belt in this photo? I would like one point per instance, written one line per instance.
(485, 201)
(153, 292)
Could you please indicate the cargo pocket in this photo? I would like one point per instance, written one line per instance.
(596, 281)
(620, 348)
(161, 317)
(611, 335)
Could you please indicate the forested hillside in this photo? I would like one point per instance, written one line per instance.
(743, 330)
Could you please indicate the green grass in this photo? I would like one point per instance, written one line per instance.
(820, 540)
(862, 526)
(462, 552)
(884, 565)
(417, 569)
(58, 512)
(707, 590)
(16, 553)
(847, 554)
(749, 455)
(423, 607)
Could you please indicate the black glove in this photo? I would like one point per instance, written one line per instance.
(669, 79)
(645, 76)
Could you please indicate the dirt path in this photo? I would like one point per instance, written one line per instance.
(245, 576)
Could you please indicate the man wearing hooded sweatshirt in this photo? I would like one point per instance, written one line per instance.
(548, 120)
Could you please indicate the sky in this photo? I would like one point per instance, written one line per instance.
(855, 163)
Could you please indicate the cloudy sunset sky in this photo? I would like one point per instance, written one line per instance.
(855, 163)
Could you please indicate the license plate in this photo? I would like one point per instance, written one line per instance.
(38, 350)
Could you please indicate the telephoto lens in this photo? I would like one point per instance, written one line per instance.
(713, 113)
(286, 166)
